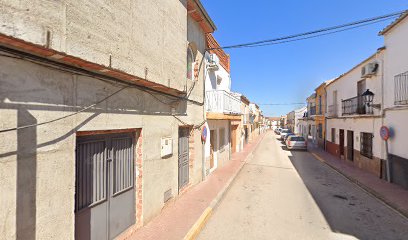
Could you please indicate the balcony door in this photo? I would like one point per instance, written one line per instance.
(361, 88)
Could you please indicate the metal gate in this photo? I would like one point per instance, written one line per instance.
(183, 159)
(104, 189)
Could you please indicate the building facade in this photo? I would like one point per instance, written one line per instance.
(81, 93)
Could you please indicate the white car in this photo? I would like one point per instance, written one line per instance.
(296, 142)
(283, 133)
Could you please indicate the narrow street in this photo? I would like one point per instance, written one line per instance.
(282, 194)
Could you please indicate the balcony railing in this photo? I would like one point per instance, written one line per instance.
(220, 101)
(355, 105)
(332, 110)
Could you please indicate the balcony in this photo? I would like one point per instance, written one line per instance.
(220, 101)
(355, 106)
(332, 111)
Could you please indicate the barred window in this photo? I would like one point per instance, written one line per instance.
(401, 89)
(333, 135)
(366, 147)
(320, 130)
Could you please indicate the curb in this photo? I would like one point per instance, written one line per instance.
(365, 188)
(206, 215)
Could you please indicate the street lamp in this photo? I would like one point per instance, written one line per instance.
(368, 98)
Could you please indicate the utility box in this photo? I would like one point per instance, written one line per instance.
(166, 146)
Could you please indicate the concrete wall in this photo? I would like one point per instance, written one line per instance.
(39, 163)
(37, 173)
(145, 35)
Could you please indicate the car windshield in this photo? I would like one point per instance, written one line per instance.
(297, 139)
(285, 130)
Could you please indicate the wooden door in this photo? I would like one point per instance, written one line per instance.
(212, 147)
(341, 142)
(350, 145)
(234, 138)
(183, 157)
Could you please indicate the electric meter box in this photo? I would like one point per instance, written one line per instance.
(166, 146)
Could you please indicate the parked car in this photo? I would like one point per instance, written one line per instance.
(283, 133)
(288, 135)
(277, 130)
(296, 142)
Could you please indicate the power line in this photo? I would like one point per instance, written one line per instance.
(295, 36)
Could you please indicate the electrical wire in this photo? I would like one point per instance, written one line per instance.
(360, 22)
(66, 116)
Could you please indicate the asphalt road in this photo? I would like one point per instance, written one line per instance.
(282, 194)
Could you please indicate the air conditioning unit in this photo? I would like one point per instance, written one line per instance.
(166, 146)
(213, 62)
(369, 69)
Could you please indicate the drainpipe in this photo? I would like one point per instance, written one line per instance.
(205, 118)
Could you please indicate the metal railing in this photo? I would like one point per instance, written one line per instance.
(332, 110)
(220, 101)
(401, 89)
(355, 105)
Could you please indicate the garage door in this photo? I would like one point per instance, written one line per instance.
(104, 189)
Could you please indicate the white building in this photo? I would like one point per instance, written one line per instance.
(353, 122)
(353, 127)
(223, 108)
(299, 114)
(395, 96)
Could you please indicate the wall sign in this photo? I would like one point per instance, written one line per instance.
(384, 133)
(204, 134)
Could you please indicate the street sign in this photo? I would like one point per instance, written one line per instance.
(384, 133)
(204, 134)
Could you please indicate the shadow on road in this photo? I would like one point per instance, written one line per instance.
(347, 208)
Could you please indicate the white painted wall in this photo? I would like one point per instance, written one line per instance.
(217, 80)
(396, 62)
(299, 115)
(220, 155)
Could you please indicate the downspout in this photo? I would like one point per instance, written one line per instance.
(205, 118)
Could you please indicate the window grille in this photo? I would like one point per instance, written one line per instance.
(333, 135)
(366, 148)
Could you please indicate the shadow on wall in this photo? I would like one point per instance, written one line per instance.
(26, 177)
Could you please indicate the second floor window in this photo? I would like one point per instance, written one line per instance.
(401, 89)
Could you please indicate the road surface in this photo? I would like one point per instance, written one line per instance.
(282, 194)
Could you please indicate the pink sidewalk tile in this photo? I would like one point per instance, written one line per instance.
(179, 216)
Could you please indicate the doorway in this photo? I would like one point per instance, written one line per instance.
(350, 145)
(183, 156)
(234, 138)
(341, 135)
(104, 185)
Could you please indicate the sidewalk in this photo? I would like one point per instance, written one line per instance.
(176, 219)
(393, 195)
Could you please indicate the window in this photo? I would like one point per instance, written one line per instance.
(222, 138)
(366, 147)
(333, 135)
(401, 89)
(320, 130)
(190, 60)
(320, 104)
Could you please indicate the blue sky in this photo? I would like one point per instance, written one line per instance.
(290, 72)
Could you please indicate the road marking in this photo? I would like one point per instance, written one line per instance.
(199, 224)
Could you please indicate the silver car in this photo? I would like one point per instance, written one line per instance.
(296, 142)
(283, 133)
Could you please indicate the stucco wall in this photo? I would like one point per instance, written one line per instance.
(39, 163)
(396, 62)
(146, 36)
